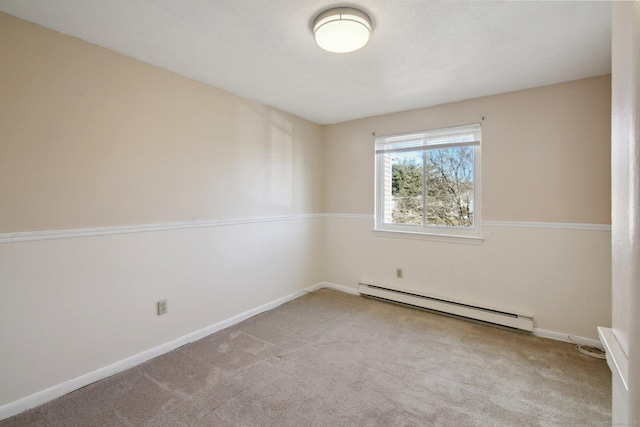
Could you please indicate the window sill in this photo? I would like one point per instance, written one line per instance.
(448, 238)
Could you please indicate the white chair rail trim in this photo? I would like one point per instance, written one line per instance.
(27, 236)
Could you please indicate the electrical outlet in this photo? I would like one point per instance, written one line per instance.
(162, 307)
(398, 273)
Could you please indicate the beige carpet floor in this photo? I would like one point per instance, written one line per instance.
(333, 359)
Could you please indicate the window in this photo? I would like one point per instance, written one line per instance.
(428, 182)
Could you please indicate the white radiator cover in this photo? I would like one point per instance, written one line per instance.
(458, 308)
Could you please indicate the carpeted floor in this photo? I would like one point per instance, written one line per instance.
(333, 359)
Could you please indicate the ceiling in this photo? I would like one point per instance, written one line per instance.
(421, 53)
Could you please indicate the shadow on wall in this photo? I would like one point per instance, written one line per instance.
(269, 175)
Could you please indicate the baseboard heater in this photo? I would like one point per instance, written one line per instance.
(484, 314)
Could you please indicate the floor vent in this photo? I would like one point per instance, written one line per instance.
(484, 314)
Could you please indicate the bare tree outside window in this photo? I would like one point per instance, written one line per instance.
(448, 181)
(450, 187)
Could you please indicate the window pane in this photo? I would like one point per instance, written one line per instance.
(450, 187)
(403, 182)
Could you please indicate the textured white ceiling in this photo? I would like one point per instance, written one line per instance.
(421, 53)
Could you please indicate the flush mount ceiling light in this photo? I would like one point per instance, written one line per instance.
(342, 29)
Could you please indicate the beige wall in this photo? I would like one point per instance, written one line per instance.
(545, 159)
(92, 138)
(545, 152)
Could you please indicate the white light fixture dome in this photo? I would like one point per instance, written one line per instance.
(342, 29)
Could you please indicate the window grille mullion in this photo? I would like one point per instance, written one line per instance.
(424, 188)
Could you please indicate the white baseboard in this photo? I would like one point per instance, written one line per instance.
(560, 336)
(334, 286)
(44, 396)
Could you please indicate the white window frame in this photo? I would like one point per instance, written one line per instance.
(468, 135)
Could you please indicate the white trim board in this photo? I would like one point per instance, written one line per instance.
(553, 225)
(616, 358)
(27, 236)
(511, 224)
(348, 215)
(44, 396)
